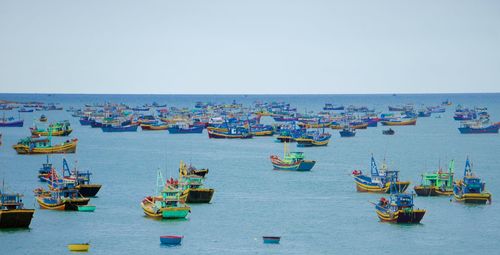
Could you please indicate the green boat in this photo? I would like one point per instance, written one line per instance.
(86, 208)
(438, 183)
(61, 128)
(167, 205)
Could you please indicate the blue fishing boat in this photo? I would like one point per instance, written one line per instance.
(127, 128)
(171, 240)
(380, 179)
(470, 189)
(11, 122)
(347, 132)
(478, 127)
(313, 139)
(399, 208)
(85, 121)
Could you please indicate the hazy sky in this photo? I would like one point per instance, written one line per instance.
(257, 46)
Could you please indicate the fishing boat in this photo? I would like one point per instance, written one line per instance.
(193, 190)
(184, 129)
(43, 145)
(12, 211)
(399, 208)
(289, 135)
(233, 133)
(79, 247)
(331, 107)
(85, 120)
(62, 128)
(315, 139)
(470, 189)
(75, 178)
(400, 122)
(389, 131)
(347, 132)
(154, 126)
(477, 127)
(262, 130)
(292, 161)
(11, 122)
(25, 110)
(438, 183)
(380, 179)
(62, 200)
(119, 128)
(43, 118)
(171, 240)
(166, 203)
(195, 171)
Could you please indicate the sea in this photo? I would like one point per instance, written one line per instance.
(316, 212)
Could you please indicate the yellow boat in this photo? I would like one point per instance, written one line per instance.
(409, 122)
(263, 133)
(79, 247)
(43, 145)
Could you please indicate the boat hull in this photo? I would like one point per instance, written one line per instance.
(473, 198)
(63, 205)
(166, 213)
(401, 216)
(197, 195)
(17, 218)
(171, 240)
(363, 186)
(411, 122)
(486, 130)
(78, 247)
(61, 148)
(431, 191)
(54, 133)
(305, 165)
(88, 190)
(19, 123)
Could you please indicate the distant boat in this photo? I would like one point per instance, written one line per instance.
(61, 128)
(43, 118)
(171, 240)
(184, 129)
(315, 139)
(271, 239)
(154, 126)
(347, 132)
(400, 122)
(191, 185)
(478, 127)
(292, 161)
(127, 128)
(11, 122)
(389, 131)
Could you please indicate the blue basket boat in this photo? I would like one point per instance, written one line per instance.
(171, 240)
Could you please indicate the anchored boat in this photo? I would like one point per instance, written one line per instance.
(379, 181)
(192, 187)
(62, 128)
(400, 122)
(399, 208)
(315, 139)
(439, 183)
(166, 203)
(12, 211)
(470, 189)
(43, 145)
(292, 161)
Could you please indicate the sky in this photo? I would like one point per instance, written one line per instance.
(249, 47)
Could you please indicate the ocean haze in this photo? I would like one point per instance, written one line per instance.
(249, 46)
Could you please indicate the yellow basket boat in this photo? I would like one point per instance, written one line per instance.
(81, 247)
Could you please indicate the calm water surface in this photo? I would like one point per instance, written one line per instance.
(317, 212)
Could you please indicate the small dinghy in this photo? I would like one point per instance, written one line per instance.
(271, 239)
(171, 240)
(86, 208)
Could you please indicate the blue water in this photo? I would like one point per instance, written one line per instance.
(317, 212)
